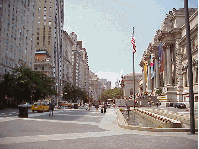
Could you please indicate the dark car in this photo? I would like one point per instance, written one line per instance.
(180, 105)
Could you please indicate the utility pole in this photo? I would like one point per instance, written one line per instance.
(190, 74)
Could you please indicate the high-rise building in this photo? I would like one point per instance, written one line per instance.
(67, 67)
(17, 46)
(49, 17)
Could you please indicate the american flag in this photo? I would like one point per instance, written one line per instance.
(133, 42)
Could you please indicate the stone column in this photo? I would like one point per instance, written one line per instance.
(179, 71)
(165, 66)
(157, 72)
(169, 72)
(144, 81)
(149, 76)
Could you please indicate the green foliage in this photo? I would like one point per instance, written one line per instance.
(24, 82)
(159, 91)
(70, 93)
(115, 93)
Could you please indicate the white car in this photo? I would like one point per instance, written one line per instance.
(83, 107)
(25, 104)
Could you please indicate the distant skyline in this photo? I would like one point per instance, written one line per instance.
(105, 29)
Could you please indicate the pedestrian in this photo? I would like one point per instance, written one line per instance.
(157, 104)
(51, 108)
(104, 108)
(96, 107)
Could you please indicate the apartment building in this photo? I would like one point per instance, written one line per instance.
(95, 86)
(67, 67)
(17, 30)
(49, 18)
(84, 71)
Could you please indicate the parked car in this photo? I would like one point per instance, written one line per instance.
(180, 105)
(40, 107)
(25, 104)
(83, 107)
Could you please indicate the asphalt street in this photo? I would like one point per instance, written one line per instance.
(79, 129)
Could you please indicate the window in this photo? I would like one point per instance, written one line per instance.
(48, 37)
(42, 68)
(44, 23)
(44, 8)
(49, 22)
(37, 38)
(37, 33)
(38, 23)
(48, 42)
(39, 8)
(37, 43)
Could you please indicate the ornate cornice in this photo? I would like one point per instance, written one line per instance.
(167, 45)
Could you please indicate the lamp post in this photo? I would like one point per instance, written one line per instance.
(57, 93)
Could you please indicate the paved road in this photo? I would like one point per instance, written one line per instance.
(83, 129)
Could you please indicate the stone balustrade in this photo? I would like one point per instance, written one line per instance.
(176, 116)
(159, 120)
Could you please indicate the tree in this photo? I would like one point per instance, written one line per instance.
(71, 93)
(115, 93)
(23, 83)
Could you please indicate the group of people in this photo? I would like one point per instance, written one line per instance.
(103, 108)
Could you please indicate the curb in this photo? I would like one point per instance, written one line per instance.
(123, 124)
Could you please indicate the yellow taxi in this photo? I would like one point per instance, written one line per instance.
(40, 107)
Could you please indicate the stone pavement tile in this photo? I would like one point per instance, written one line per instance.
(125, 141)
(22, 127)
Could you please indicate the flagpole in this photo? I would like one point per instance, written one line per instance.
(133, 74)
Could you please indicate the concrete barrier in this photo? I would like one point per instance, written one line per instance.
(159, 120)
(123, 124)
(180, 117)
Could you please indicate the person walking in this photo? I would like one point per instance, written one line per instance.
(105, 108)
(157, 104)
(51, 108)
(96, 107)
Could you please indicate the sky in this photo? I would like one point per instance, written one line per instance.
(105, 28)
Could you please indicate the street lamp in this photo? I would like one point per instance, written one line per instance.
(57, 93)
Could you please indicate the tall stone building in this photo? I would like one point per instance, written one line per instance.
(128, 84)
(67, 67)
(164, 62)
(84, 70)
(79, 64)
(17, 32)
(76, 59)
(49, 18)
(95, 87)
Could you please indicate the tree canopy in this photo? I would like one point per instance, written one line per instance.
(115, 93)
(71, 93)
(24, 83)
